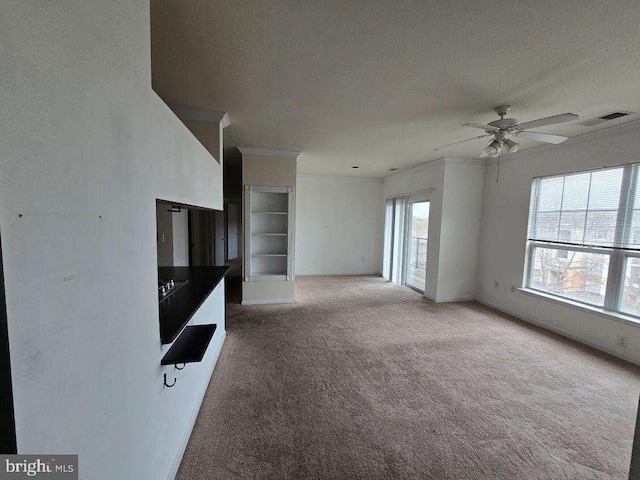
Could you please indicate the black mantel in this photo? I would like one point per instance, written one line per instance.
(178, 309)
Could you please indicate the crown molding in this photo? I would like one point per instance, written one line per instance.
(417, 168)
(184, 112)
(266, 152)
(226, 121)
(465, 161)
(436, 163)
(338, 177)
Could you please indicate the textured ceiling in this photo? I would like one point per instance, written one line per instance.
(380, 84)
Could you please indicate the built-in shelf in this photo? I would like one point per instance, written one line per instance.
(269, 233)
(190, 346)
(271, 276)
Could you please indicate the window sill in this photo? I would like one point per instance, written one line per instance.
(618, 317)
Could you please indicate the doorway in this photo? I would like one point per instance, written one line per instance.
(232, 230)
(405, 240)
(416, 253)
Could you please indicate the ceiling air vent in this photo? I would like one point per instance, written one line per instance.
(605, 118)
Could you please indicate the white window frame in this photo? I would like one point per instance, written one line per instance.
(396, 232)
(566, 248)
(626, 256)
(618, 257)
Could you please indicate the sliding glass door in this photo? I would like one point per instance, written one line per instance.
(405, 240)
(416, 253)
(394, 235)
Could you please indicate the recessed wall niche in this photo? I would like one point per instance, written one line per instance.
(188, 236)
(172, 224)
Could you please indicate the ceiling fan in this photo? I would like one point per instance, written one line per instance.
(504, 130)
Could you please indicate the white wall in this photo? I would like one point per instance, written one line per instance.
(504, 232)
(426, 177)
(87, 148)
(339, 225)
(455, 194)
(460, 229)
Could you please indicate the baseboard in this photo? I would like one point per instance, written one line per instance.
(192, 421)
(266, 302)
(564, 333)
(449, 300)
(338, 274)
(455, 299)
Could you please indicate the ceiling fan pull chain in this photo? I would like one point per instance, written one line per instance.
(498, 170)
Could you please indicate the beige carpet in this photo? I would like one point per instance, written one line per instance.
(362, 379)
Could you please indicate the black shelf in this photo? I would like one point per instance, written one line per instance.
(190, 345)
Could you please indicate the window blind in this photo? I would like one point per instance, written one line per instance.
(599, 208)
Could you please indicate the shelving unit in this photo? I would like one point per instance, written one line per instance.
(269, 233)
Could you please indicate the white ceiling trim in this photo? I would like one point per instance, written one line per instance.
(415, 169)
(466, 161)
(411, 194)
(267, 152)
(340, 177)
(184, 112)
(435, 163)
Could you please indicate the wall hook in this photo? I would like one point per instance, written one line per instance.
(180, 368)
(165, 381)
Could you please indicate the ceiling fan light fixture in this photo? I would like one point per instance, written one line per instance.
(493, 148)
(511, 146)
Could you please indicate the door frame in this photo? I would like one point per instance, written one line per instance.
(407, 235)
(410, 198)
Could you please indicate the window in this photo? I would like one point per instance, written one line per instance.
(584, 238)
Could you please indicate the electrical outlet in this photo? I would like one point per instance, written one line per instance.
(513, 289)
(496, 284)
(622, 341)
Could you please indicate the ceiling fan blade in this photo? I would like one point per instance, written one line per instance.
(466, 140)
(541, 137)
(486, 128)
(542, 122)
